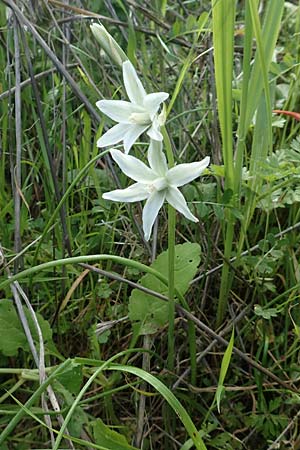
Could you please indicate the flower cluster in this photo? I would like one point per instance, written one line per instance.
(156, 183)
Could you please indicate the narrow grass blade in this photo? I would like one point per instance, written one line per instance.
(16, 419)
(223, 38)
(224, 369)
(170, 398)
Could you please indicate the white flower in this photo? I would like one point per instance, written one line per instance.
(156, 183)
(134, 117)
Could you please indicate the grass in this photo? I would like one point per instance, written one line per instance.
(158, 374)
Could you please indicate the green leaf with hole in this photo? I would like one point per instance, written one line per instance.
(12, 333)
(150, 313)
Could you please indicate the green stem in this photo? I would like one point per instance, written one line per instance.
(171, 280)
(226, 276)
(171, 262)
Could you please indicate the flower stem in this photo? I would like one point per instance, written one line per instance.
(171, 261)
(171, 281)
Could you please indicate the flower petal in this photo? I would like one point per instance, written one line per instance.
(118, 110)
(154, 132)
(133, 167)
(177, 200)
(156, 158)
(133, 193)
(133, 85)
(132, 134)
(184, 173)
(113, 135)
(150, 211)
(153, 101)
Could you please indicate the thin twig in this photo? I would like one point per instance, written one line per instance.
(38, 76)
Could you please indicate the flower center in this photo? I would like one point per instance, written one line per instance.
(140, 118)
(158, 185)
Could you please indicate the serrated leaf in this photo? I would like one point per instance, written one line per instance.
(109, 438)
(150, 312)
(11, 330)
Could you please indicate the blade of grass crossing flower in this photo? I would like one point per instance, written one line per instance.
(170, 398)
(224, 369)
(223, 37)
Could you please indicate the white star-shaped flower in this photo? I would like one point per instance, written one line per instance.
(134, 117)
(156, 183)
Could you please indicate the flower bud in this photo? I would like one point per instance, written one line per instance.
(108, 43)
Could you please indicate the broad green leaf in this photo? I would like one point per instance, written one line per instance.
(11, 330)
(72, 378)
(109, 438)
(150, 312)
